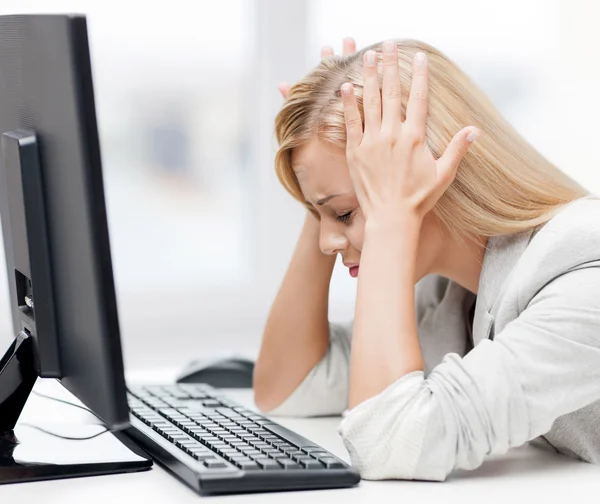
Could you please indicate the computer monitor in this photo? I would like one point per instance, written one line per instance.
(54, 223)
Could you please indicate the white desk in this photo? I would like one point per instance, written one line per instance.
(525, 474)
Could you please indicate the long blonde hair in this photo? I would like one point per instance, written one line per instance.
(503, 184)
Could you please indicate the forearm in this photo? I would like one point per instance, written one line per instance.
(385, 343)
(297, 330)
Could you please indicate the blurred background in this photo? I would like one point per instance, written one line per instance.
(186, 95)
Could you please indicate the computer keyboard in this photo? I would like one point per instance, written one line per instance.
(218, 446)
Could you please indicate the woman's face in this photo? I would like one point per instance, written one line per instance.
(323, 175)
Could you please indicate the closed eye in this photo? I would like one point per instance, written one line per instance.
(344, 218)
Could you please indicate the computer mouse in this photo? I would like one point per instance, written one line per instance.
(222, 372)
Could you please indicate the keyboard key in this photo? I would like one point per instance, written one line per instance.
(267, 463)
(255, 456)
(248, 465)
(220, 445)
(199, 449)
(201, 456)
(211, 403)
(227, 412)
(215, 464)
(332, 463)
(289, 464)
(312, 464)
(310, 449)
(319, 454)
(239, 456)
(271, 451)
(303, 458)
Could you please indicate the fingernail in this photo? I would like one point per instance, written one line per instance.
(371, 57)
(388, 47)
(346, 88)
(472, 136)
(420, 58)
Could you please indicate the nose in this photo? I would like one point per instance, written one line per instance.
(332, 240)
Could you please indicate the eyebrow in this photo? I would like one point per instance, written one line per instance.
(325, 200)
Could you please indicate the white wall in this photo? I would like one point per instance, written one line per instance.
(200, 245)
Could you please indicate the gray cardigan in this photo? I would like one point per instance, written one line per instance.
(526, 370)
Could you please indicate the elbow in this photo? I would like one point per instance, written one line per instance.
(264, 402)
(264, 398)
(368, 458)
(393, 445)
(268, 393)
(369, 454)
(388, 460)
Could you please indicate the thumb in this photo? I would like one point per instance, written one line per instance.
(456, 150)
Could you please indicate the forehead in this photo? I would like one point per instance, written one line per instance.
(320, 166)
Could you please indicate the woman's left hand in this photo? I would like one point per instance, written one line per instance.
(392, 168)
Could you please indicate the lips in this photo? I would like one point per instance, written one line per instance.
(353, 271)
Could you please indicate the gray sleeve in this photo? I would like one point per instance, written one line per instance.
(324, 390)
(505, 392)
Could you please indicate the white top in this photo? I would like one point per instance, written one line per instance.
(528, 371)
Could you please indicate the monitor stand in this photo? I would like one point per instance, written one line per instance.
(27, 453)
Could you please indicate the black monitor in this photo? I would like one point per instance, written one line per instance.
(54, 223)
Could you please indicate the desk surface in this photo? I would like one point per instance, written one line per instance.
(522, 473)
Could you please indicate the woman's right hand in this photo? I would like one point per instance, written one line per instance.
(349, 46)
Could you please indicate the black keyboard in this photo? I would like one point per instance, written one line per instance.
(217, 446)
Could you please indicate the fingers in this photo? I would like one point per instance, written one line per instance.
(349, 45)
(457, 148)
(284, 88)
(351, 117)
(391, 89)
(371, 93)
(416, 109)
(326, 52)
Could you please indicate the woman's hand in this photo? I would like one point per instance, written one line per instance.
(326, 51)
(392, 168)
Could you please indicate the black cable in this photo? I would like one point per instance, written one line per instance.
(68, 438)
(60, 435)
(65, 402)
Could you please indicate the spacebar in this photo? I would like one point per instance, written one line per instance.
(289, 435)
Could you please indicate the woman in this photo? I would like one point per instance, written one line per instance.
(477, 322)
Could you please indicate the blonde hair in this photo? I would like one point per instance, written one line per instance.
(503, 184)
